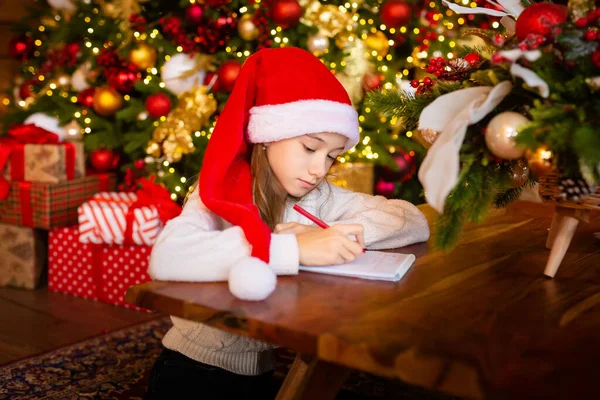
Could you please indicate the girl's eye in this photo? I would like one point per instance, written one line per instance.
(331, 158)
(308, 149)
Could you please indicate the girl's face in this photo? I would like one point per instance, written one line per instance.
(301, 163)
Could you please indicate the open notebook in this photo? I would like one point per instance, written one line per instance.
(376, 265)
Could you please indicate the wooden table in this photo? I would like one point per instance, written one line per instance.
(480, 322)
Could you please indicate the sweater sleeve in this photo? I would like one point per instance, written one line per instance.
(196, 247)
(387, 223)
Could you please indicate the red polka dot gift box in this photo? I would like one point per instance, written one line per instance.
(94, 271)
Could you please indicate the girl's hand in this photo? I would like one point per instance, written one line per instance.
(295, 228)
(331, 246)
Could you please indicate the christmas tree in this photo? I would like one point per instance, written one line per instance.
(524, 108)
(142, 83)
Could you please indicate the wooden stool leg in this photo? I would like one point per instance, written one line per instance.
(553, 229)
(312, 379)
(566, 230)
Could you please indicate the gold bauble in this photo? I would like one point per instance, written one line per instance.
(246, 28)
(501, 133)
(107, 101)
(425, 137)
(143, 57)
(317, 44)
(344, 40)
(378, 42)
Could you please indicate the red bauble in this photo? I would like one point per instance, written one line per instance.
(122, 79)
(372, 82)
(20, 47)
(139, 164)
(473, 58)
(86, 97)
(596, 58)
(405, 167)
(194, 13)
(539, 19)
(158, 105)
(228, 73)
(286, 13)
(384, 188)
(209, 78)
(104, 160)
(26, 89)
(395, 13)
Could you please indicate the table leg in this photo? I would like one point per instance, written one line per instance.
(311, 378)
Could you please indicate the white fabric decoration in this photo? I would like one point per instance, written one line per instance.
(512, 8)
(450, 115)
(252, 280)
(531, 79)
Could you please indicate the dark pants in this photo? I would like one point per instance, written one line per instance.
(175, 376)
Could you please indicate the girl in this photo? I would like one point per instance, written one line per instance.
(286, 121)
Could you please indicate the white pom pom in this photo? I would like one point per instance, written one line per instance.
(252, 280)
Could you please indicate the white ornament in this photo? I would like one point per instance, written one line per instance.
(501, 133)
(51, 124)
(62, 5)
(179, 74)
(79, 78)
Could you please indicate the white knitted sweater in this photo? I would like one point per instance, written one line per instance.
(199, 246)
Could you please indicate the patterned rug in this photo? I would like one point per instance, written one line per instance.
(117, 366)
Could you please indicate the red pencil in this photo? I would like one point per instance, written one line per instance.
(310, 216)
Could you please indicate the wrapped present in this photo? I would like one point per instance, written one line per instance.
(127, 218)
(33, 154)
(23, 254)
(94, 271)
(45, 205)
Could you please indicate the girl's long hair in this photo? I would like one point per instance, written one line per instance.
(269, 196)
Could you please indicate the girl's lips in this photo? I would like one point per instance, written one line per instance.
(305, 183)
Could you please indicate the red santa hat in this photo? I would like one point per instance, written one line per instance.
(279, 94)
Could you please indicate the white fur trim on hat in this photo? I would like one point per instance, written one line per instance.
(252, 279)
(271, 123)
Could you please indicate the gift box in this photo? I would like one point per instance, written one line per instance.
(45, 205)
(23, 253)
(94, 271)
(33, 154)
(127, 218)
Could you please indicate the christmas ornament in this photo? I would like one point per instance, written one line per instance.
(246, 28)
(123, 79)
(80, 77)
(329, 18)
(501, 132)
(139, 164)
(183, 72)
(286, 13)
(62, 5)
(395, 13)
(158, 105)
(405, 167)
(20, 47)
(73, 131)
(539, 18)
(473, 58)
(372, 82)
(142, 116)
(317, 44)
(51, 124)
(519, 173)
(104, 160)
(344, 40)
(173, 138)
(384, 188)
(143, 56)
(26, 89)
(573, 189)
(194, 13)
(107, 101)
(540, 161)
(425, 137)
(378, 42)
(228, 73)
(86, 97)
(63, 81)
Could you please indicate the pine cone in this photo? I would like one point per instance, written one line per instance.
(459, 68)
(574, 188)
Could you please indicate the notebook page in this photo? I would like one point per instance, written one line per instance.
(371, 265)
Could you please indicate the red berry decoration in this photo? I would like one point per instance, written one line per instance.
(139, 164)
(539, 19)
(20, 47)
(104, 160)
(158, 105)
(122, 79)
(86, 97)
(473, 58)
(228, 73)
(194, 13)
(286, 13)
(395, 13)
(414, 83)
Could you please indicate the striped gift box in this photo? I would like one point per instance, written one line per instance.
(104, 220)
(48, 205)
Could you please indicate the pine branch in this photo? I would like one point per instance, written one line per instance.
(396, 103)
(504, 199)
